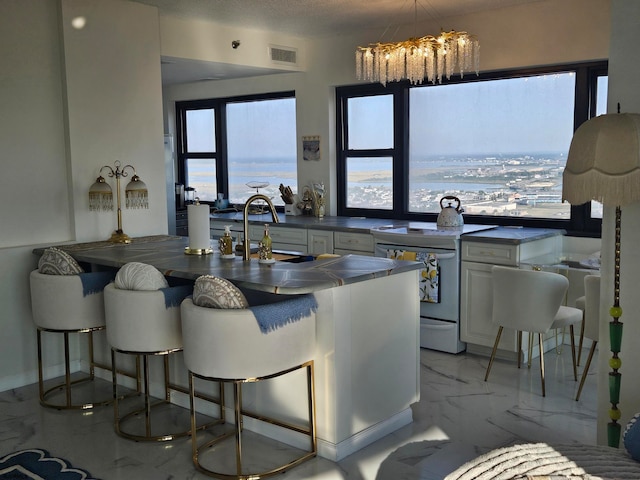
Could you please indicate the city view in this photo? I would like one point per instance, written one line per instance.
(524, 185)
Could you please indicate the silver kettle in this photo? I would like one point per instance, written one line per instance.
(450, 216)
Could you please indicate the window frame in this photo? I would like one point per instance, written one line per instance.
(580, 222)
(219, 105)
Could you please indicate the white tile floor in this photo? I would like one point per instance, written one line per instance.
(458, 417)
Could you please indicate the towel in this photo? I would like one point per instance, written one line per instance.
(274, 315)
(429, 278)
(429, 283)
(173, 296)
(94, 282)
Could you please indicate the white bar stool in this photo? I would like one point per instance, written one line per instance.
(140, 323)
(228, 346)
(61, 304)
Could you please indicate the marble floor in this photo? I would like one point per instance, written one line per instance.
(458, 417)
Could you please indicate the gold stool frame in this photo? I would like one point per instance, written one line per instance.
(148, 404)
(68, 383)
(239, 412)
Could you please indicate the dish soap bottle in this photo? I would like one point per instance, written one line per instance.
(265, 252)
(225, 243)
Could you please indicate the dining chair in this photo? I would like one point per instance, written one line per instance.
(531, 301)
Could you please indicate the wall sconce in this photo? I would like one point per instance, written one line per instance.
(101, 195)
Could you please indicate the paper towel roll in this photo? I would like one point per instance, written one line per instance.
(198, 219)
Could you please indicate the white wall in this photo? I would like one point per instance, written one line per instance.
(71, 101)
(624, 70)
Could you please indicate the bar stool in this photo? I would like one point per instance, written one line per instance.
(227, 345)
(66, 304)
(144, 323)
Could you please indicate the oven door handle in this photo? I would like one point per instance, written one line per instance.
(445, 256)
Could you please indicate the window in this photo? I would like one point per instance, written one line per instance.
(498, 142)
(238, 146)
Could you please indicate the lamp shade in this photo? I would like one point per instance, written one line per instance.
(136, 193)
(100, 195)
(604, 161)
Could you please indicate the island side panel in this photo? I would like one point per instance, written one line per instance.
(368, 361)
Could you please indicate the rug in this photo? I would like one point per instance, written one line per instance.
(37, 464)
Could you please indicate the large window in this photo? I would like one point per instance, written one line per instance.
(237, 146)
(498, 142)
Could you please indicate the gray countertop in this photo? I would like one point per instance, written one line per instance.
(508, 235)
(166, 253)
(512, 235)
(347, 224)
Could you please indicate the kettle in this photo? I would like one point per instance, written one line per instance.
(450, 216)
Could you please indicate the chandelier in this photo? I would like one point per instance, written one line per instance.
(419, 58)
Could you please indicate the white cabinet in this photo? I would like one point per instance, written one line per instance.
(476, 290)
(345, 243)
(319, 241)
(283, 238)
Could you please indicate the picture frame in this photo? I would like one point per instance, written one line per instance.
(311, 148)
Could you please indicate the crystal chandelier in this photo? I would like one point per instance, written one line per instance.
(417, 59)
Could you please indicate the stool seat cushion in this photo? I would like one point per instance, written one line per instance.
(140, 276)
(139, 321)
(58, 262)
(216, 292)
(58, 302)
(229, 344)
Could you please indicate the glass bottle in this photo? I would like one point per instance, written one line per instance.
(265, 251)
(225, 243)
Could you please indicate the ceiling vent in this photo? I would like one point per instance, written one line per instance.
(283, 55)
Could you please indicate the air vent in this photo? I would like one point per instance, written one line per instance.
(283, 55)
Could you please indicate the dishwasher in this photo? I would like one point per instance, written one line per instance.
(439, 280)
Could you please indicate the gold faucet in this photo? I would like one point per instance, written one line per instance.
(246, 251)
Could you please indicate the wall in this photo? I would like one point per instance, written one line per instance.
(623, 74)
(72, 101)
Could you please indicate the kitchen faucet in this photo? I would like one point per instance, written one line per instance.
(246, 250)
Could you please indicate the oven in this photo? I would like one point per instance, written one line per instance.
(439, 280)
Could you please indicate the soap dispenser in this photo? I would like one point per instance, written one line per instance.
(225, 243)
(265, 252)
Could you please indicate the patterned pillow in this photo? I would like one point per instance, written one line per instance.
(140, 276)
(216, 292)
(631, 437)
(58, 262)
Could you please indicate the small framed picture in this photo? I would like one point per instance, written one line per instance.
(311, 147)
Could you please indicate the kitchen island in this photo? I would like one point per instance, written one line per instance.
(367, 333)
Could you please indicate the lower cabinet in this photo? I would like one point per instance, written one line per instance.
(358, 243)
(283, 238)
(476, 306)
(319, 241)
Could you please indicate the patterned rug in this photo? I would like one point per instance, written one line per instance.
(36, 464)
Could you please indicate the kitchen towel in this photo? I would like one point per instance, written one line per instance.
(429, 283)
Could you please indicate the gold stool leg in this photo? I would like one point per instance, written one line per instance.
(581, 340)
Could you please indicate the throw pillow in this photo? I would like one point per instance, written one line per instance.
(58, 262)
(140, 276)
(631, 437)
(216, 292)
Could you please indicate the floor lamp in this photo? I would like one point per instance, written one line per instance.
(604, 165)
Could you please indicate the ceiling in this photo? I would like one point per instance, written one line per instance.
(303, 18)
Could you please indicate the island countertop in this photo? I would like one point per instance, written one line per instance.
(166, 253)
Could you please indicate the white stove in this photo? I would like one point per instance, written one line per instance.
(440, 320)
